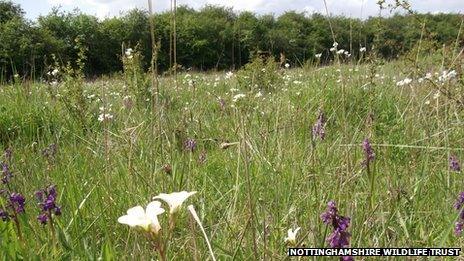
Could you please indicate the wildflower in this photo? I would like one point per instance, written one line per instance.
(17, 202)
(6, 173)
(4, 215)
(127, 101)
(258, 94)
(202, 157)
(341, 51)
(190, 144)
(50, 151)
(8, 154)
(222, 103)
(459, 225)
(105, 117)
(436, 95)
(403, 82)
(291, 236)
(229, 75)
(362, 49)
(368, 152)
(42, 218)
(454, 164)
(460, 201)
(339, 237)
(175, 199)
(55, 72)
(287, 65)
(318, 129)
(335, 44)
(146, 219)
(238, 96)
(318, 55)
(445, 75)
(129, 52)
(47, 203)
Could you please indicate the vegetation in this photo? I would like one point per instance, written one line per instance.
(348, 150)
(211, 38)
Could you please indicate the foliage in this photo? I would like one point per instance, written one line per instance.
(213, 37)
(260, 74)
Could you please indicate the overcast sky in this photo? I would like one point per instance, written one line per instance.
(352, 8)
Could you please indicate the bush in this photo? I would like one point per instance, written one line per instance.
(260, 74)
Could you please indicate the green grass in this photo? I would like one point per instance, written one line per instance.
(248, 194)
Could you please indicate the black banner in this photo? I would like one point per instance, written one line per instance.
(374, 251)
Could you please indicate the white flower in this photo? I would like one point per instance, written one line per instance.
(335, 44)
(333, 49)
(436, 95)
(258, 94)
(341, 51)
(362, 49)
(146, 219)
(55, 72)
(318, 55)
(229, 75)
(428, 76)
(129, 52)
(406, 81)
(445, 75)
(238, 96)
(291, 236)
(175, 199)
(104, 117)
(287, 65)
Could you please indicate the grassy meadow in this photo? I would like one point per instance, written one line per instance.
(247, 147)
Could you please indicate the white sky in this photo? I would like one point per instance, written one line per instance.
(352, 8)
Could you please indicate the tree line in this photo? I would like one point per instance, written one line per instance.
(213, 37)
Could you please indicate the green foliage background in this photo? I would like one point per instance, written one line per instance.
(213, 37)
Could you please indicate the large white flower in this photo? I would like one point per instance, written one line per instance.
(175, 199)
(291, 236)
(146, 219)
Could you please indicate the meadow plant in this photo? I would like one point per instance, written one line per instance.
(339, 237)
(454, 163)
(318, 130)
(48, 206)
(260, 74)
(71, 89)
(137, 84)
(147, 219)
(291, 236)
(458, 205)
